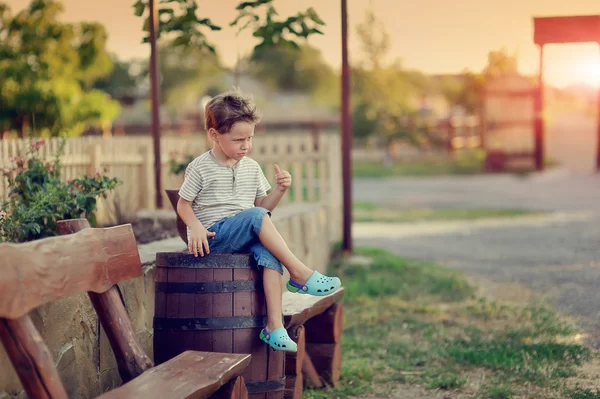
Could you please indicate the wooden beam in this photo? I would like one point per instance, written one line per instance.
(41, 271)
(31, 359)
(131, 358)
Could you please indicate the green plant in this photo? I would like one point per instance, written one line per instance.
(38, 198)
(178, 162)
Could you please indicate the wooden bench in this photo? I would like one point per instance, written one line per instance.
(94, 260)
(316, 324)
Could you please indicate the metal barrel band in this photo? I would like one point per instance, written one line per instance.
(212, 323)
(213, 261)
(213, 287)
(266, 386)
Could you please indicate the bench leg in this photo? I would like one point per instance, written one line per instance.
(234, 389)
(32, 359)
(327, 361)
(294, 381)
(311, 374)
(323, 335)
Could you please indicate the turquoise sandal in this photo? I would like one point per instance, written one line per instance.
(317, 284)
(279, 340)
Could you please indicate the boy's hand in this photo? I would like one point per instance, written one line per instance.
(199, 241)
(283, 179)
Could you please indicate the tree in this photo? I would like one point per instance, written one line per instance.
(178, 21)
(468, 90)
(384, 94)
(122, 79)
(186, 75)
(293, 69)
(46, 69)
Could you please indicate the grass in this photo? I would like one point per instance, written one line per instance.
(463, 163)
(368, 212)
(410, 322)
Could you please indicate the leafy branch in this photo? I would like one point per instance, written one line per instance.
(179, 18)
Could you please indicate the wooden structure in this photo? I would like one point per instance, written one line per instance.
(315, 165)
(316, 324)
(561, 30)
(509, 122)
(215, 303)
(95, 260)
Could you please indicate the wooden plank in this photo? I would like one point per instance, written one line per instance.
(566, 29)
(327, 360)
(203, 308)
(297, 308)
(327, 327)
(132, 361)
(223, 307)
(310, 373)
(234, 389)
(294, 360)
(31, 359)
(294, 387)
(131, 358)
(160, 310)
(294, 381)
(191, 374)
(40, 271)
(276, 371)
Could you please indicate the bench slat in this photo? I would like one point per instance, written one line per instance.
(190, 374)
(41, 271)
(297, 308)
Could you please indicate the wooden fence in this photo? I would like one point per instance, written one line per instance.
(313, 161)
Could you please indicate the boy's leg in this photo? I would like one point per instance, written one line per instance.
(272, 240)
(273, 287)
(272, 283)
(274, 333)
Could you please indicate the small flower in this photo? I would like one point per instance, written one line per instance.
(2, 215)
(36, 145)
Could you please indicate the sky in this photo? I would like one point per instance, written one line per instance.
(434, 36)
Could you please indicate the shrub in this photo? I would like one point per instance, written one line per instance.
(38, 198)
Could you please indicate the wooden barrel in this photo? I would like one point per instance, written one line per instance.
(215, 303)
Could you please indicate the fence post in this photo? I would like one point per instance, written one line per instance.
(146, 194)
(95, 153)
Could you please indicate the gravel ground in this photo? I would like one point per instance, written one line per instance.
(556, 256)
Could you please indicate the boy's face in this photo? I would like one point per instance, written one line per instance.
(238, 142)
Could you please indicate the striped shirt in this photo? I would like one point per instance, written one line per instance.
(218, 191)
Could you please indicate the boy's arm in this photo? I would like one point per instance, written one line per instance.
(186, 213)
(198, 242)
(269, 202)
(284, 181)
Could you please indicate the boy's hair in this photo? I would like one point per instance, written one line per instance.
(225, 109)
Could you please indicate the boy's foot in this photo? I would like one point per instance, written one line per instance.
(279, 340)
(317, 284)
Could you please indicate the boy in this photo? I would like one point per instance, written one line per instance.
(224, 203)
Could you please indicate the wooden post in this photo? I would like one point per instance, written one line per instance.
(234, 389)
(146, 194)
(294, 381)
(131, 358)
(539, 116)
(598, 130)
(95, 153)
(323, 335)
(346, 124)
(33, 362)
(155, 100)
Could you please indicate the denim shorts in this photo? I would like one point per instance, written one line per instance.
(239, 234)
